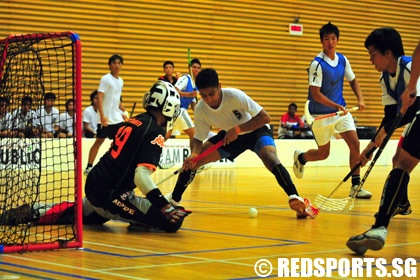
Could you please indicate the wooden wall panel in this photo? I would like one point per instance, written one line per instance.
(246, 41)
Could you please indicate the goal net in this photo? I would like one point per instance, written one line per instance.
(40, 168)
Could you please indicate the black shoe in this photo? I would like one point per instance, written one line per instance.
(401, 210)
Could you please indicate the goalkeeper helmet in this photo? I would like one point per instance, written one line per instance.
(164, 97)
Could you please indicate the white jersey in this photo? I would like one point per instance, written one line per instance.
(66, 122)
(112, 89)
(388, 99)
(316, 80)
(90, 116)
(236, 108)
(48, 120)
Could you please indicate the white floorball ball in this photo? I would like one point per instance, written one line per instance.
(252, 212)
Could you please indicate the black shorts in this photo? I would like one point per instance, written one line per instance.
(412, 138)
(108, 131)
(253, 141)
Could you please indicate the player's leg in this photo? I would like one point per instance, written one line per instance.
(322, 130)
(347, 130)
(353, 143)
(405, 207)
(93, 152)
(395, 189)
(266, 150)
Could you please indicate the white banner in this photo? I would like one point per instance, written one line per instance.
(18, 153)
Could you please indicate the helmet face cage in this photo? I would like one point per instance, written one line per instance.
(165, 97)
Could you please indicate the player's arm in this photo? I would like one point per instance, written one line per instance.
(187, 94)
(195, 151)
(103, 118)
(181, 85)
(257, 121)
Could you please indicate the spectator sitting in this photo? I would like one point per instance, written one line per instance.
(48, 117)
(66, 120)
(288, 122)
(25, 122)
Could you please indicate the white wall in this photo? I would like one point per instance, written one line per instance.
(175, 149)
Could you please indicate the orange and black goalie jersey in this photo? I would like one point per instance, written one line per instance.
(138, 142)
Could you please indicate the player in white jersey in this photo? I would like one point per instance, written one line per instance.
(244, 125)
(109, 107)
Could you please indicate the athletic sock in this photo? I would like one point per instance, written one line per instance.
(355, 180)
(284, 180)
(184, 179)
(156, 198)
(395, 189)
(89, 165)
(301, 159)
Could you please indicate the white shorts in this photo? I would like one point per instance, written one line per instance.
(324, 129)
(183, 122)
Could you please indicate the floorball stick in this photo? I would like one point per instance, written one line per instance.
(338, 204)
(196, 159)
(338, 113)
(347, 204)
(310, 119)
(394, 126)
(132, 109)
(190, 68)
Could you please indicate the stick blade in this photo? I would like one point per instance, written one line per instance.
(334, 204)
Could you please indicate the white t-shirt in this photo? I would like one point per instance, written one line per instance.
(316, 79)
(236, 108)
(90, 116)
(66, 122)
(112, 89)
(48, 120)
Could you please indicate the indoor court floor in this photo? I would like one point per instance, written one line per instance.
(220, 241)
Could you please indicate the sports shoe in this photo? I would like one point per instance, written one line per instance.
(298, 167)
(373, 239)
(168, 197)
(403, 210)
(166, 165)
(303, 207)
(87, 170)
(363, 194)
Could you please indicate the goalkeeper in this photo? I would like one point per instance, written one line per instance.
(150, 218)
(129, 163)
